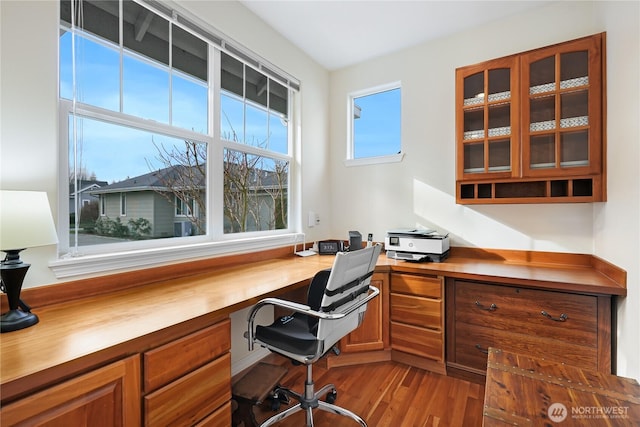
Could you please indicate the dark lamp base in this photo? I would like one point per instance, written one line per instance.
(15, 320)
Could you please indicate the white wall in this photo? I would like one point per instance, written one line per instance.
(28, 111)
(420, 191)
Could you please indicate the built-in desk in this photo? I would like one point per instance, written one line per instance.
(127, 323)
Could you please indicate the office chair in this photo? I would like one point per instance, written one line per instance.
(336, 303)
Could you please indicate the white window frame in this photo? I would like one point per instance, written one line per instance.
(350, 159)
(104, 258)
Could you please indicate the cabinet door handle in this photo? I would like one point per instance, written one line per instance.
(481, 349)
(492, 307)
(563, 317)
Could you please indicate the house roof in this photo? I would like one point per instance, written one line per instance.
(158, 180)
(172, 177)
(85, 185)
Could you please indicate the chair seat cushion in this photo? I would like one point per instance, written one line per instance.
(291, 334)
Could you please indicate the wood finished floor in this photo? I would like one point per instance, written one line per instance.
(387, 394)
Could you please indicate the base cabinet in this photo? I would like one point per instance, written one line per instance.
(370, 335)
(188, 381)
(417, 320)
(558, 326)
(108, 396)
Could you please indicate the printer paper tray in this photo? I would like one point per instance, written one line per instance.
(417, 257)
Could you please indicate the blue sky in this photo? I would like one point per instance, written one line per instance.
(377, 131)
(113, 152)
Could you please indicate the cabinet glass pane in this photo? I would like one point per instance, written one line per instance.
(499, 84)
(474, 157)
(574, 109)
(474, 89)
(542, 151)
(542, 75)
(500, 155)
(574, 69)
(500, 120)
(542, 113)
(474, 124)
(574, 148)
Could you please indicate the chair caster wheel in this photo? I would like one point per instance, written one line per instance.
(332, 396)
(278, 398)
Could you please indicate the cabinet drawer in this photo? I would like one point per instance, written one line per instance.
(177, 358)
(191, 398)
(220, 418)
(568, 317)
(430, 287)
(472, 343)
(419, 341)
(417, 311)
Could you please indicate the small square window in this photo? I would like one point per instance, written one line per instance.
(375, 121)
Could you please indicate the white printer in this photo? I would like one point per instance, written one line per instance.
(417, 245)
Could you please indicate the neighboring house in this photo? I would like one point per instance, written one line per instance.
(151, 196)
(83, 193)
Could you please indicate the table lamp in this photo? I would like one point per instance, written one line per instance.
(25, 222)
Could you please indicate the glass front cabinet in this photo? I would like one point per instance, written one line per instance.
(530, 127)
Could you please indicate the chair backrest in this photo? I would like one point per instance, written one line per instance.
(346, 285)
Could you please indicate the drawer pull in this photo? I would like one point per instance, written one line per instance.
(482, 350)
(563, 317)
(492, 307)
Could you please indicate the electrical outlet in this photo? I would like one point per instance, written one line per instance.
(313, 219)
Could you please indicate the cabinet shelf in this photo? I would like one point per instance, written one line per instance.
(579, 189)
(532, 119)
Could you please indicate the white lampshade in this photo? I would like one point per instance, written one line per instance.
(25, 220)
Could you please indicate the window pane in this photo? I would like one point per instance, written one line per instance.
(137, 173)
(231, 118)
(376, 124)
(189, 53)
(232, 75)
(145, 89)
(189, 103)
(145, 33)
(256, 127)
(255, 192)
(278, 133)
(189, 87)
(255, 86)
(99, 18)
(278, 98)
(97, 72)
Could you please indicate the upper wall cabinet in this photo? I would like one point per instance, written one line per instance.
(531, 127)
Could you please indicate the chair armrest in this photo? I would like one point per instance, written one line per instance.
(302, 308)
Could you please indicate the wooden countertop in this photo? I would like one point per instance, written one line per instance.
(76, 336)
(545, 270)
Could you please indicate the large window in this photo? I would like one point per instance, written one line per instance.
(150, 161)
(375, 124)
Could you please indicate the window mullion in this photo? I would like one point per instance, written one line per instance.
(215, 187)
(121, 52)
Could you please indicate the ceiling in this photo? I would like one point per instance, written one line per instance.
(339, 33)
